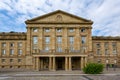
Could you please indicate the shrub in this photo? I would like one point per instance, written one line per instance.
(93, 68)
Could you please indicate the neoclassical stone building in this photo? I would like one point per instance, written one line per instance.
(57, 41)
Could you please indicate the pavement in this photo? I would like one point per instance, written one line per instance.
(109, 74)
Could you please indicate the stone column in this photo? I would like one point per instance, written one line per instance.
(37, 63)
(70, 65)
(66, 63)
(28, 41)
(77, 39)
(85, 61)
(40, 39)
(53, 39)
(81, 62)
(50, 63)
(65, 45)
(54, 64)
(34, 64)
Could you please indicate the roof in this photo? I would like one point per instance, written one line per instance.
(105, 38)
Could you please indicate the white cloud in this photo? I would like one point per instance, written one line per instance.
(104, 13)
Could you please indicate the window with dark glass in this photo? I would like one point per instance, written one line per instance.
(47, 30)
(71, 30)
(59, 30)
(35, 29)
(4, 44)
(98, 45)
(11, 44)
(83, 41)
(82, 29)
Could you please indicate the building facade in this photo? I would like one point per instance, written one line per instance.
(57, 41)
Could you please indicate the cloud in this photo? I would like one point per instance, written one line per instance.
(104, 13)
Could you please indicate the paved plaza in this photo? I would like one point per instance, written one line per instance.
(58, 75)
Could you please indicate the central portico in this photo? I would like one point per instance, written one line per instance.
(59, 41)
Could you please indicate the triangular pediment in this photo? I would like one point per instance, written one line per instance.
(58, 17)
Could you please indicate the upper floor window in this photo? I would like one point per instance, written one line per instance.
(19, 44)
(98, 45)
(11, 51)
(114, 51)
(83, 29)
(35, 29)
(3, 44)
(3, 61)
(71, 39)
(35, 39)
(71, 30)
(47, 30)
(19, 52)
(46, 48)
(3, 51)
(114, 45)
(106, 51)
(71, 48)
(47, 39)
(11, 44)
(11, 60)
(106, 44)
(19, 60)
(59, 39)
(59, 49)
(98, 51)
(59, 30)
(83, 39)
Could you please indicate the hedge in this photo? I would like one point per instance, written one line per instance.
(93, 68)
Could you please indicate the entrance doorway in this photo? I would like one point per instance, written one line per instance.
(60, 63)
(75, 63)
(44, 63)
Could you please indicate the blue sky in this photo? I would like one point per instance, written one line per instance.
(104, 13)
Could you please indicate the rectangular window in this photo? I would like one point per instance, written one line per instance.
(46, 48)
(19, 52)
(114, 51)
(59, 39)
(106, 44)
(47, 30)
(3, 60)
(3, 44)
(98, 45)
(11, 44)
(71, 39)
(19, 44)
(11, 60)
(71, 49)
(114, 44)
(35, 29)
(3, 51)
(19, 60)
(98, 51)
(35, 39)
(11, 51)
(106, 51)
(59, 49)
(59, 30)
(82, 29)
(83, 39)
(71, 30)
(47, 39)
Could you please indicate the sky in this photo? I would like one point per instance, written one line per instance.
(104, 13)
